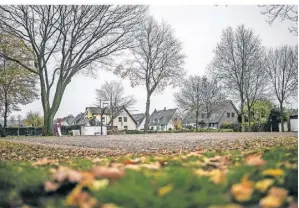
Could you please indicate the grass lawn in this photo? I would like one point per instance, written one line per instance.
(38, 176)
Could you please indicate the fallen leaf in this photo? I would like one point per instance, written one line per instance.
(132, 167)
(50, 186)
(243, 191)
(108, 172)
(99, 184)
(280, 193)
(165, 189)
(45, 161)
(226, 206)
(263, 185)
(64, 173)
(132, 161)
(218, 176)
(254, 160)
(273, 172)
(155, 166)
(275, 198)
(109, 205)
(270, 202)
(80, 198)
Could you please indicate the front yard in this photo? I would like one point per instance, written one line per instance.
(252, 176)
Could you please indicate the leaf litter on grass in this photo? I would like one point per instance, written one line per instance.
(164, 180)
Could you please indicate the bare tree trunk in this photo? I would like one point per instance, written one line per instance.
(281, 116)
(196, 120)
(249, 117)
(5, 115)
(148, 103)
(242, 117)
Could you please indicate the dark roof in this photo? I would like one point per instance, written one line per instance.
(99, 111)
(161, 117)
(80, 119)
(214, 117)
(138, 118)
(69, 119)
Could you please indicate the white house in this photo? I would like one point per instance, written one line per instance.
(123, 120)
(163, 120)
(294, 121)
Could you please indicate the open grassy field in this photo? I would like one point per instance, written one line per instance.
(249, 175)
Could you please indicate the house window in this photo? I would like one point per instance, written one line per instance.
(103, 119)
(233, 115)
(119, 119)
(228, 115)
(126, 127)
(125, 119)
(202, 115)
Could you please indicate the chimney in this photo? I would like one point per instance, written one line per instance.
(165, 108)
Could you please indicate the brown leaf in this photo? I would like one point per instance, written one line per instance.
(132, 161)
(108, 172)
(45, 161)
(50, 186)
(254, 160)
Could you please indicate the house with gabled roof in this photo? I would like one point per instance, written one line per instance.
(227, 112)
(140, 120)
(122, 121)
(163, 120)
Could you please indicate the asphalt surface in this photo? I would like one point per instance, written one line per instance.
(156, 142)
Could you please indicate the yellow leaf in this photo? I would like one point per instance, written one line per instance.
(275, 198)
(273, 172)
(226, 206)
(201, 172)
(165, 189)
(243, 191)
(99, 184)
(218, 176)
(263, 185)
(270, 202)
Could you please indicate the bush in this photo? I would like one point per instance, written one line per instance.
(226, 125)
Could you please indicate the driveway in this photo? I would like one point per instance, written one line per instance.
(165, 141)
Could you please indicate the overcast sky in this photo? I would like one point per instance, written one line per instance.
(199, 28)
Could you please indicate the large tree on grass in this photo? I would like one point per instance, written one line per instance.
(67, 40)
(114, 93)
(156, 60)
(237, 55)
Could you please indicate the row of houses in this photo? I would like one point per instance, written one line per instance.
(160, 120)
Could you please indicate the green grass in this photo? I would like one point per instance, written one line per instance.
(22, 183)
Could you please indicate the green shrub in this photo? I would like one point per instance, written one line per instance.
(226, 125)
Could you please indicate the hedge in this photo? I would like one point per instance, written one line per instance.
(23, 131)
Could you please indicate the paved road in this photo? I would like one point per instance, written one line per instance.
(167, 141)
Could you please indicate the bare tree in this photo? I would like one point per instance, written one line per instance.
(284, 12)
(17, 85)
(256, 82)
(282, 69)
(211, 97)
(156, 60)
(114, 93)
(67, 40)
(189, 96)
(235, 57)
